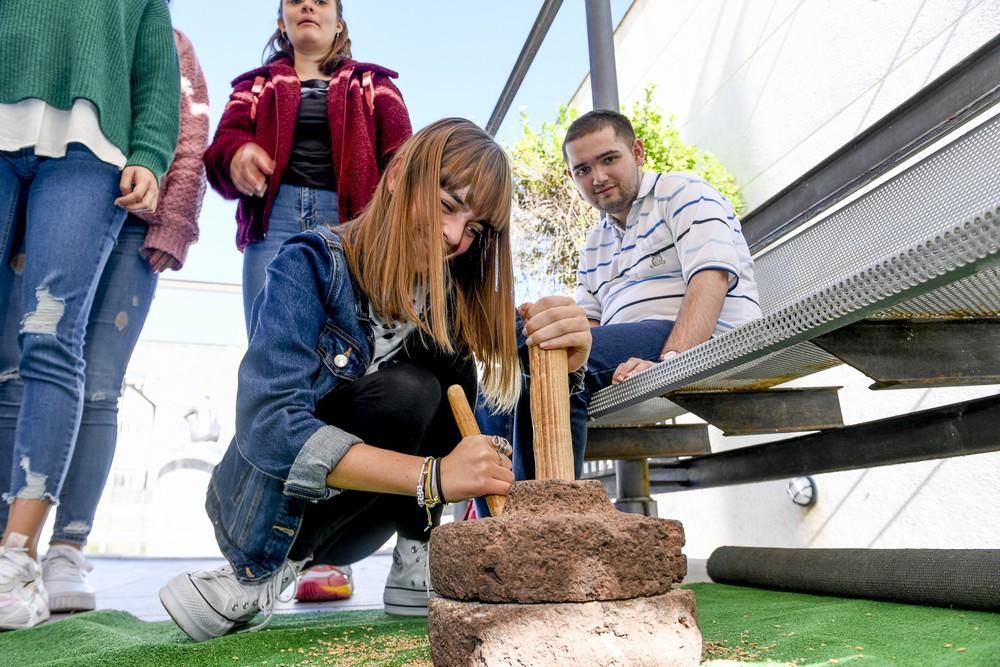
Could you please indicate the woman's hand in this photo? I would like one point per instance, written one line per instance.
(555, 322)
(139, 189)
(250, 168)
(475, 468)
(161, 260)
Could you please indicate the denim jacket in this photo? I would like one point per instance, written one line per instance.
(313, 333)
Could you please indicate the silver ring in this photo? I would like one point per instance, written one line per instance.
(502, 446)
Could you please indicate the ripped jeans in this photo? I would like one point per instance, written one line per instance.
(62, 212)
(121, 305)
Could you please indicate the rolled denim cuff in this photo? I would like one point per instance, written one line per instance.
(321, 454)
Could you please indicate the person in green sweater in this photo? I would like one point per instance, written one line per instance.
(89, 118)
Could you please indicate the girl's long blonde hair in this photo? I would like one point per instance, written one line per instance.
(397, 253)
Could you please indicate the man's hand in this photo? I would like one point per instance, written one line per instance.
(634, 366)
(555, 322)
(629, 368)
(250, 168)
(139, 189)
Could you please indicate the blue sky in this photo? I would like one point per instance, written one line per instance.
(453, 58)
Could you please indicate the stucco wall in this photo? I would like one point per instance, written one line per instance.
(774, 86)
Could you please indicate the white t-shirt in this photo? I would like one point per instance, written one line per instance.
(35, 123)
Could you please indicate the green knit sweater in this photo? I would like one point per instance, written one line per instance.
(119, 54)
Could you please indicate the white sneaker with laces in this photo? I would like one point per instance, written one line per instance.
(210, 603)
(64, 570)
(23, 602)
(407, 588)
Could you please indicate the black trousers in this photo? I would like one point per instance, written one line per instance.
(403, 408)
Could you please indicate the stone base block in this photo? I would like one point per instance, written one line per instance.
(557, 541)
(659, 631)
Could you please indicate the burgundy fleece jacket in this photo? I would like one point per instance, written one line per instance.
(367, 124)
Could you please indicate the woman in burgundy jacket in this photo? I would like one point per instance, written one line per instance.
(304, 138)
(303, 141)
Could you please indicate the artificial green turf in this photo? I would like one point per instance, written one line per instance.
(762, 626)
(744, 624)
(117, 639)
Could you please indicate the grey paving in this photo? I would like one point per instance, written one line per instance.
(132, 584)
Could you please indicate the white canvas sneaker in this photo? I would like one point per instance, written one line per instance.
(407, 588)
(210, 603)
(23, 602)
(64, 570)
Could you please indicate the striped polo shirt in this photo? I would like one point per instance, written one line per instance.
(677, 226)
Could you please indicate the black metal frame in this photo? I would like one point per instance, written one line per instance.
(536, 36)
(960, 429)
(645, 442)
(766, 411)
(920, 353)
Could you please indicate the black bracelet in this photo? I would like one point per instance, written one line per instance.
(438, 476)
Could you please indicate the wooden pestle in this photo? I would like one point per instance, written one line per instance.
(467, 426)
(550, 414)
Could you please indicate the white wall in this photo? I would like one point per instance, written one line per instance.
(772, 87)
(151, 507)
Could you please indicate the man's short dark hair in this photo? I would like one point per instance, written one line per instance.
(595, 121)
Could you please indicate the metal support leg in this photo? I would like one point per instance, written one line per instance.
(601, 45)
(632, 476)
(633, 487)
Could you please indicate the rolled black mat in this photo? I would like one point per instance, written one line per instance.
(967, 578)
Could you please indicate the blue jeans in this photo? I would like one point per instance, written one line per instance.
(62, 211)
(121, 304)
(612, 345)
(296, 209)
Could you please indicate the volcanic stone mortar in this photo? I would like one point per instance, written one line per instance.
(557, 541)
(658, 631)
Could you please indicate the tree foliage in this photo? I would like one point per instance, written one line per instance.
(551, 221)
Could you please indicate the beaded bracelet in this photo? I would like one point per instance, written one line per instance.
(422, 480)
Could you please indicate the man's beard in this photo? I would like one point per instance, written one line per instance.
(623, 203)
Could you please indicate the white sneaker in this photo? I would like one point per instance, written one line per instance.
(407, 589)
(64, 570)
(210, 603)
(23, 602)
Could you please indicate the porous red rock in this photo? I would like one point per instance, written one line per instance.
(660, 630)
(557, 541)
